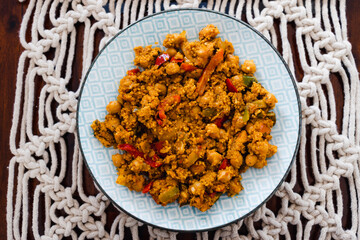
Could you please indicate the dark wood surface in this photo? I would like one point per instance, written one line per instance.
(11, 13)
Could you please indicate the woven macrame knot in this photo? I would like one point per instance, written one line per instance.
(45, 67)
(35, 51)
(307, 89)
(273, 9)
(42, 166)
(186, 3)
(82, 12)
(263, 23)
(295, 14)
(67, 24)
(100, 229)
(56, 183)
(84, 215)
(341, 49)
(310, 25)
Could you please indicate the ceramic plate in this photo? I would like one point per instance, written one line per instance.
(100, 87)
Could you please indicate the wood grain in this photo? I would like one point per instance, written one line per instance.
(11, 14)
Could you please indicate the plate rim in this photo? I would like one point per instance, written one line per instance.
(297, 98)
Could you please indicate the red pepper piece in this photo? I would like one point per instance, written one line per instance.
(136, 153)
(153, 163)
(224, 164)
(230, 86)
(162, 115)
(131, 150)
(176, 60)
(209, 69)
(219, 121)
(187, 67)
(159, 121)
(162, 58)
(166, 102)
(212, 194)
(133, 71)
(147, 188)
(157, 147)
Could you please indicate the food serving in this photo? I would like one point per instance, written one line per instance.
(189, 122)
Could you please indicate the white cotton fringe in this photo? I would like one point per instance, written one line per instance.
(323, 49)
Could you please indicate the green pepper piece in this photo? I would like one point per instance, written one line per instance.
(246, 115)
(259, 113)
(169, 195)
(193, 156)
(209, 112)
(259, 104)
(249, 80)
(272, 116)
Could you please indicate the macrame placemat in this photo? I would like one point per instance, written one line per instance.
(39, 148)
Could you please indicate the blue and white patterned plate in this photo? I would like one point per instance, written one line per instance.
(102, 82)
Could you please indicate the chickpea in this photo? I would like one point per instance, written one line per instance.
(248, 66)
(113, 107)
(161, 88)
(172, 68)
(171, 51)
(195, 112)
(117, 159)
(250, 160)
(236, 159)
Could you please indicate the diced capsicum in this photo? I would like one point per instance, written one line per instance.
(209, 112)
(152, 162)
(131, 150)
(162, 58)
(133, 71)
(169, 194)
(173, 59)
(225, 163)
(147, 188)
(168, 101)
(259, 103)
(157, 147)
(230, 86)
(192, 158)
(187, 67)
(136, 153)
(209, 69)
(219, 121)
(246, 115)
(249, 80)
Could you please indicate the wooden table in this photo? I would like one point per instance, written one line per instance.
(11, 14)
